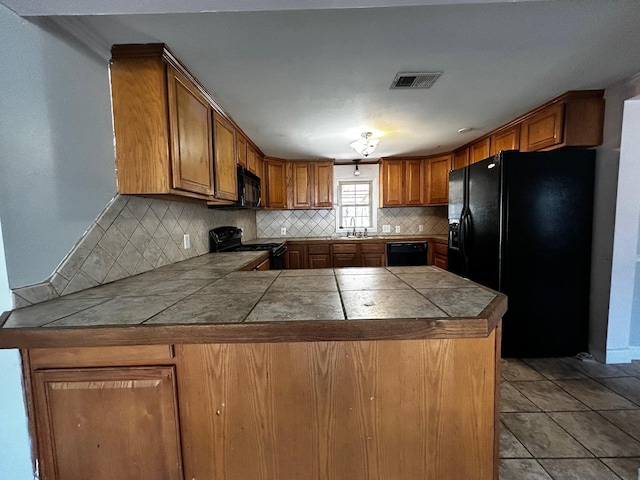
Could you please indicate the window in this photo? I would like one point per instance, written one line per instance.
(356, 206)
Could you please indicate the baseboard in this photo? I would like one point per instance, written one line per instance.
(623, 355)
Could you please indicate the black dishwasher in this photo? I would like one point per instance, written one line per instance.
(400, 254)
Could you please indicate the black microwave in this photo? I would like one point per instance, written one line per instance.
(249, 189)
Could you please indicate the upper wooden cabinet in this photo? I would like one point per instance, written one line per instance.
(574, 119)
(323, 184)
(252, 160)
(437, 186)
(460, 158)
(226, 176)
(171, 136)
(506, 139)
(402, 182)
(307, 184)
(241, 152)
(274, 183)
(479, 150)
(190, 133)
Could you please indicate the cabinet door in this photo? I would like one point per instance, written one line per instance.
(263, 184)
(508, 139)
(226, 178)
(414, 181)
(252, 160)
(543, 129)
(374, 260)
(479, 150)
(441, 261)
(438, 180)
(392, 183)
(275, 185)
(341, 260)
(190, 131)
(319, 261)
(242, 151)
(460, 159)
(108, 423)
(301, 184)
(323, 184)
(295, 257)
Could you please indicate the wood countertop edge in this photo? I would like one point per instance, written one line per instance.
(263, 332)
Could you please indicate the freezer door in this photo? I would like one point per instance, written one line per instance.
(457, 188)
(481, 223)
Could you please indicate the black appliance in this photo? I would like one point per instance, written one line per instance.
(406, 253)
(520, 223)
(229, 239)
(249, 191)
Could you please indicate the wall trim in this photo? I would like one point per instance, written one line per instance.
(623, 355)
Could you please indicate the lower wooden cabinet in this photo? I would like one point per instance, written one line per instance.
(440, 255)
(373, 255)
(295, 258)
(275, 410)
(107, 423)
(319, 256)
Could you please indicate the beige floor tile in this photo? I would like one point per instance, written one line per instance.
(627, 420)
(511, 400)
(553, 368)
(522, 470)
(600, 436)
(595, 395)
(628, 387)
(626, 468)
(510, 447)
(594, 369)
(542, 436)
(513, 370)
(578, 469)
(548, 396)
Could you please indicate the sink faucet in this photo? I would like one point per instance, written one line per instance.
(353, 223)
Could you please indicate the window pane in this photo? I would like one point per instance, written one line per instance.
(355, 205)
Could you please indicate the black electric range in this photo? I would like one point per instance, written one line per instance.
(229, 239)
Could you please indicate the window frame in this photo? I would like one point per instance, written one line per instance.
(340, 226)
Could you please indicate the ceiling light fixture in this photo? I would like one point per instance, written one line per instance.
(366, 145)
(356, 171)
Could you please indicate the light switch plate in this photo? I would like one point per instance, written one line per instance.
(186, 241)
(386, 229)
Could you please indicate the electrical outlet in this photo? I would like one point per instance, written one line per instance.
(397, 228)
(186, 241)
(421, 228)
(386, 228)
(283, 231)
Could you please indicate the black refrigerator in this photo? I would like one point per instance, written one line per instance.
(520, 223)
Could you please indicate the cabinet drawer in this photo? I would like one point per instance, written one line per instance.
(373, 248)
(345, 248)
(440, 249)
(319, 249)
(98, 356)
(441, 261)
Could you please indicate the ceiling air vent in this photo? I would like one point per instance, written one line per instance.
(415, 80)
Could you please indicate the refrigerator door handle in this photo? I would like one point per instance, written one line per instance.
(464, 229)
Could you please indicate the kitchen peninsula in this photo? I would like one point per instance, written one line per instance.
(201, 370)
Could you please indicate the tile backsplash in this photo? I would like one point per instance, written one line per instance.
(322, 223)
(134, 235)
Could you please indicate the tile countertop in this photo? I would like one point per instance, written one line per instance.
(207, 300)
(384, 238)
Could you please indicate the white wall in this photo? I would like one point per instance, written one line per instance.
(606, 186)
(57, 169)
(625, 290)
(15, 453)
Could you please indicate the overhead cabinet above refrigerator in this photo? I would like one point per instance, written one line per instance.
(520, 223)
